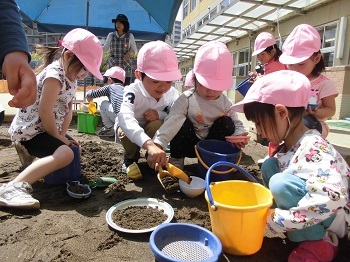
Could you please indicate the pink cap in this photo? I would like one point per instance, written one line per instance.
(116, 72)
(158, 61)
(285, 87)
(213, 66)
(87, 48)
(300, 45)
(263, 41)
(189, 79)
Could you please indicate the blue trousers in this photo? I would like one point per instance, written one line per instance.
(287, 190)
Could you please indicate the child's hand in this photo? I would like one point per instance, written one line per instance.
(156, 157)
(21, 79)
(151, 115)
(312, 111)
(239, 144)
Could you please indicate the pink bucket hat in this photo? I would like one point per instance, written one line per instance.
(300, 45)
(116, 72)
(285, 87)
(158, 61)
(213, 66)
(87, 48)
(189, 79)
(263, 41)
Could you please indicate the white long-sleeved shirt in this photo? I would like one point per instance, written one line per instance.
(327, 181)
(202, 113)
(135, 103)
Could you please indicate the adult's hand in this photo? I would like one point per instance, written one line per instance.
(21, 79)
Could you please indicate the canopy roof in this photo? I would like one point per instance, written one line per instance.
(235, 19)
(149, 19)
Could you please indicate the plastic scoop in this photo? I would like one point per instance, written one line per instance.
(103, 182)
(178, 173)
(168, 182)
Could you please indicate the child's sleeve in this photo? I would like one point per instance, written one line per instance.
(172, 123)
(239, 126)
(127, 117)
(103, 91)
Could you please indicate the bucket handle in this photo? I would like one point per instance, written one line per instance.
(216, 171)
(224, 163)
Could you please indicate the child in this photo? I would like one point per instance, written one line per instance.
(146, 102)
(15, 57)
(268, 53)
(307, 177)
(109, 109)
(40, 129)
(200, 113)
(301, 52)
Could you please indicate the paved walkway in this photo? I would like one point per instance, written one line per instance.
(338, 136)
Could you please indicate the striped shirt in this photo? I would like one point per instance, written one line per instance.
(114, 92)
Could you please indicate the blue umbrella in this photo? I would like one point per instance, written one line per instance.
(149, 19)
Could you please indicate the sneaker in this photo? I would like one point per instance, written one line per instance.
(18, 195)
(25, 158)
(325, 249)
(178, 162)
(106, 132)
(127, 162)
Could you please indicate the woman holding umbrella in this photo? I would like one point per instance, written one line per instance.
(122, 46)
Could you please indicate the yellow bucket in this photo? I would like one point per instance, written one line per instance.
(238, 211)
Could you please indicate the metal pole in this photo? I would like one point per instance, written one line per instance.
(87, 27)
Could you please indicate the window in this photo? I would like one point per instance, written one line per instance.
(240, 62)
(193, 5)
(328, 33)
(185, 9)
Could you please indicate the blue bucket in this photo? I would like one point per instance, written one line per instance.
(244, 86)
(72, 172)
(211, 151)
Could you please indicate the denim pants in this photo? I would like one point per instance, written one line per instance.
(287, 190)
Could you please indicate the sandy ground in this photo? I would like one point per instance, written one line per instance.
(68, 229)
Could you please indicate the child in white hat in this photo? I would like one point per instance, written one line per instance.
(40, 130)
(202, 112)
(307, 177)
(147, 101)
(114, 79)
(301, 52)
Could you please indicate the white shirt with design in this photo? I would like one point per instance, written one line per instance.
(326, 174)
(27, 123)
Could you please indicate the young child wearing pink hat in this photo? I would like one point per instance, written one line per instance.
(268, 53)
(307, 177)
(202, 112)
(147, 101)
(40, 130)
(113, 79)
(301, 52)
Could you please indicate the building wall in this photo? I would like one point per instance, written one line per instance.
(330, 12)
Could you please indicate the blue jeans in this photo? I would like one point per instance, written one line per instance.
(287, 190)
